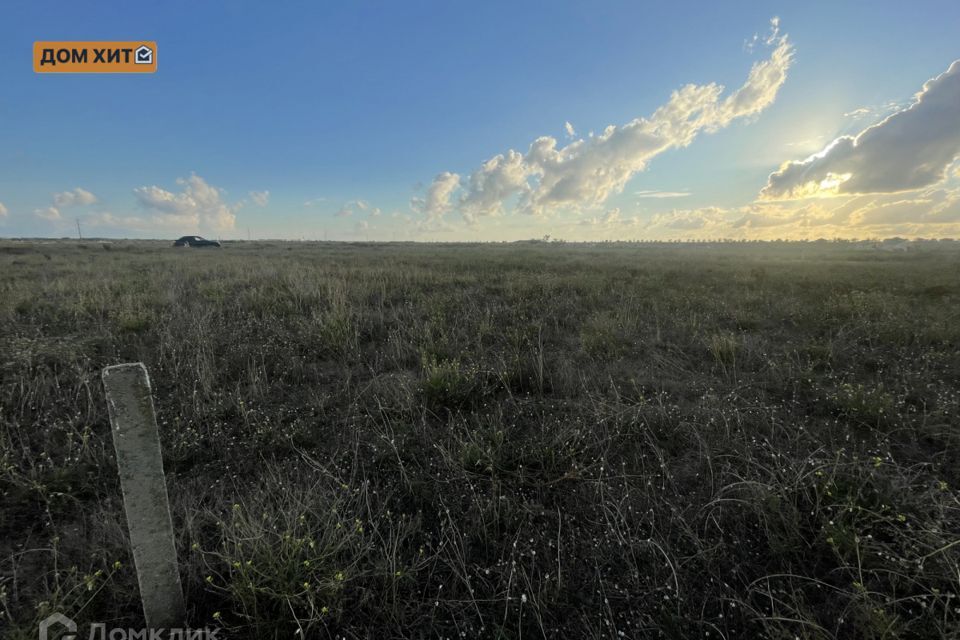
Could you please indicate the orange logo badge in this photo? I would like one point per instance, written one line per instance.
(139, 56)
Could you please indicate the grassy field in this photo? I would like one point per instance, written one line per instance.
(497, 441)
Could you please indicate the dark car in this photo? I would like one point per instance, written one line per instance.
(195, 241)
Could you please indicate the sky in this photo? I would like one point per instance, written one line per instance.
(486, 121)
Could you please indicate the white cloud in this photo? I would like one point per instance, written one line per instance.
(357, 206)
(932, 212)
(753, 218)
(859, 113)
(571, 132)
(495, 182)
(610, 220)
(898, 211)
(908, 150)
(929, 207)
(587, 171)
(3, 210)
(437, 201)
(197, 205)
(772, 37)
(661, 194)
(77, 197)
(689, 219)
(261, 198)
(314, 201)
(49, 213)
(434, 225)
(756, 220)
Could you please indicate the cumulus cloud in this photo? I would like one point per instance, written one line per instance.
(48, 213)
(494, 183)
(357, 206)
(65, 199)
(908, 150)
(437, 200)
(569, 129)
(77, 197)
(585, 172)
(261, 198)
(197, 205)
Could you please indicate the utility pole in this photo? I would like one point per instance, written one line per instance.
(79, 234)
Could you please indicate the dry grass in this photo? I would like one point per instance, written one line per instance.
(494, 441)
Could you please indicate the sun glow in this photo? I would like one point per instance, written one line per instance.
(831, 184)
(828, 187)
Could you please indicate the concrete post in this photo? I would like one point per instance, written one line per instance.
(137, 443)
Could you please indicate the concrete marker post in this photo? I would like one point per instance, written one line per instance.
(136, 440)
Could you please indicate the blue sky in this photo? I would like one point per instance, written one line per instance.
(335, 120)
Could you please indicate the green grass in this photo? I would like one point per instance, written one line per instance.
(498, 441)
